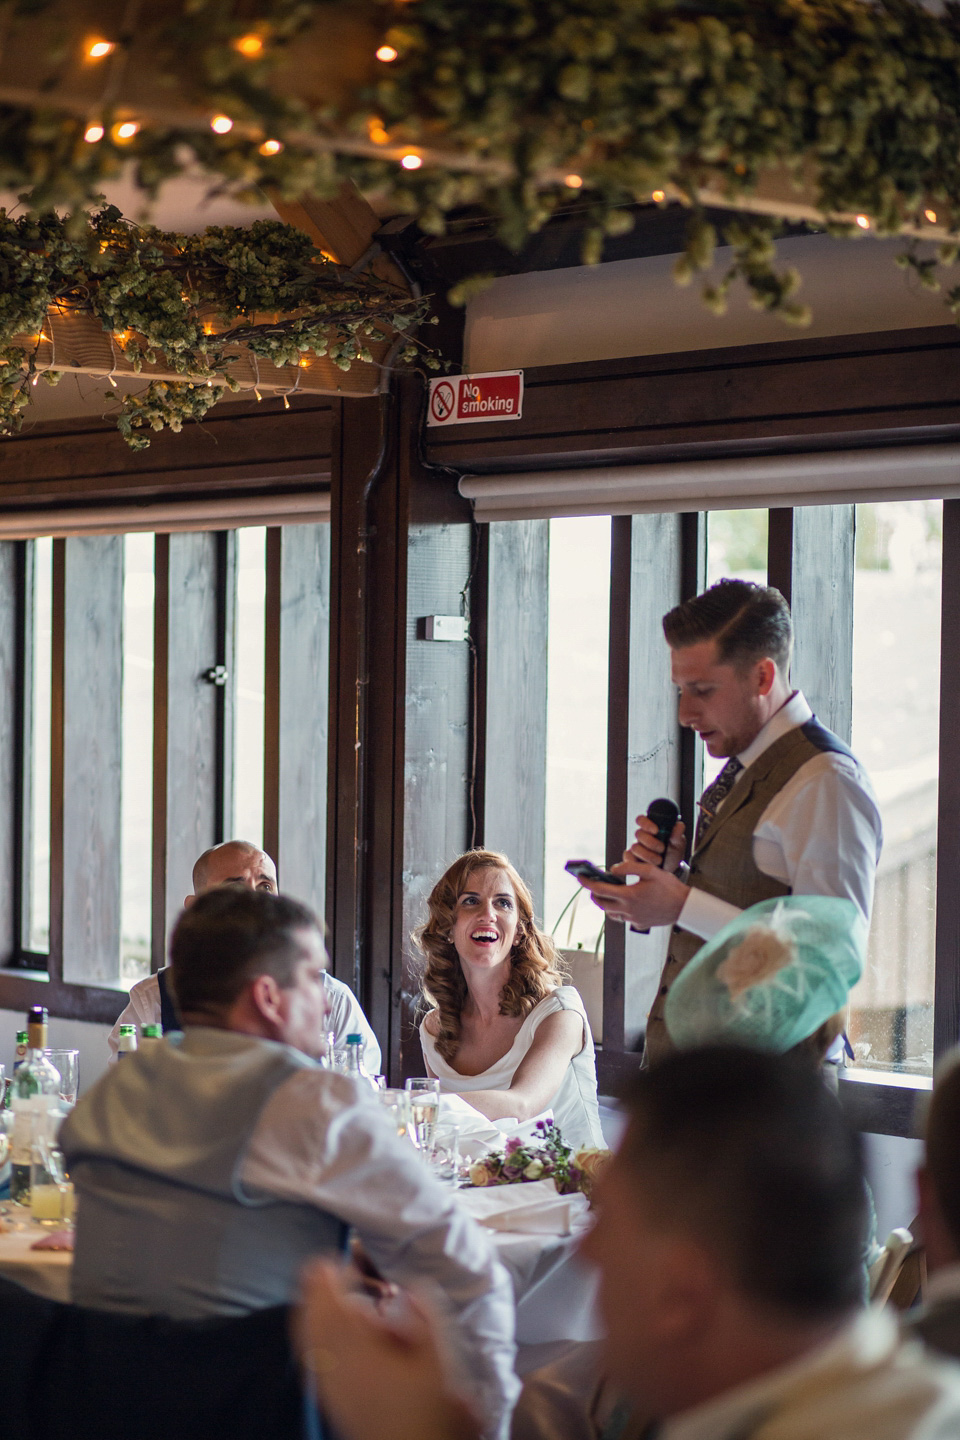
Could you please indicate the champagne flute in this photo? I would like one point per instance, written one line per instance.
(424, 1097)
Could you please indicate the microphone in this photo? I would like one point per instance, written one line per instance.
(664, 814)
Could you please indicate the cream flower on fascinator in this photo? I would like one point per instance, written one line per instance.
(762, 953)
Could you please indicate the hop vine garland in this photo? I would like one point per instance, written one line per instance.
(187, 300)
(535, 102)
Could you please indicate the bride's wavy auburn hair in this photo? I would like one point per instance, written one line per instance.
(534, 968)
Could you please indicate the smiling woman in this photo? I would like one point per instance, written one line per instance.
(504, 1031)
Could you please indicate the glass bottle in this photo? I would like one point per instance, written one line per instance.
(34, 1099)
(128, 1041)
(355, 1065)
(21, 1052)
(150, 1035)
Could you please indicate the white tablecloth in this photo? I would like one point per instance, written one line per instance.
(555, 1290)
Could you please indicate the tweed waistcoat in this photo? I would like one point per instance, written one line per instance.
(723, 863)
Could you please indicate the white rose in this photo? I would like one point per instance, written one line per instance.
(534, 1170)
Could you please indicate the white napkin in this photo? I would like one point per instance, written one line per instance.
(478, 1135)
(531, 1208)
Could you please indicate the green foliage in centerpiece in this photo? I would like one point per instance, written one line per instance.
(187, 301)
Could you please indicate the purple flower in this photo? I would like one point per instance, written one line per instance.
(512, 1145)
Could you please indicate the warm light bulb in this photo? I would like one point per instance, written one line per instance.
(127, 130)
(411, 162)
(271, 147)
(35, 379)
(98, 49)
(573, 182)
(931, 215)
(221, 124)
(93, 133)
(286, 402)
(257, 393)
(303, 362)
(249, 45)
(112, 381)
(659, 196)
(864, 222)
(377, 133)
(386, 53)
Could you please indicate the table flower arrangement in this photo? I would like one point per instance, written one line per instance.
(545, 1157)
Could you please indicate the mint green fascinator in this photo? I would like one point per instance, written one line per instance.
(772, 976)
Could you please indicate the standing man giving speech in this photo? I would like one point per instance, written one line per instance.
(791, 812)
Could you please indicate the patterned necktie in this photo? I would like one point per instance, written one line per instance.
(713, 797)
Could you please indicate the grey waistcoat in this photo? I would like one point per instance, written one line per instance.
(164, 1225)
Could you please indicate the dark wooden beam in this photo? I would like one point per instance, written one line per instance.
(946, 1015)
(644, 745)
(239, 450)
(892, 387)
(10, 693)
(514, 663)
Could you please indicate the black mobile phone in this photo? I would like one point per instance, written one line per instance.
(586, 870)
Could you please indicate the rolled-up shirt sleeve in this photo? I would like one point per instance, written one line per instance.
(320, 1140)
(820, 835)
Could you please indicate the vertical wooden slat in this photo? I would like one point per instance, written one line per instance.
(946, 1010)
(297, 702)
(185, 721)
(226, 656)
(85, 908)
(644, 754)
(515, 664)
(811, 561)
(10, 646)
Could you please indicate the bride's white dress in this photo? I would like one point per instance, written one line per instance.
(574, 1105)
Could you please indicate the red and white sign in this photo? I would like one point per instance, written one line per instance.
(468, 399)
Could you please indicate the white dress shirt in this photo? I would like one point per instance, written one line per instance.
(346, 1017)
(864, 1384)
(324, 1139)
(821, 834)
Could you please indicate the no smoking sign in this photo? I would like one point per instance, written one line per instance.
(471, 399)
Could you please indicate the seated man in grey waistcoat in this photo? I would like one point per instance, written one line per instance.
(938, 1182)
(792, 812)
(210, 1166)
(238, 862)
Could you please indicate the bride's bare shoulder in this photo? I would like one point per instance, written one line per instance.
(431, 1022)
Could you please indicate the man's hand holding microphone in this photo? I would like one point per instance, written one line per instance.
(658, 896)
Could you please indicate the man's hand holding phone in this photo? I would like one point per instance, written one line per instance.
(656, 898)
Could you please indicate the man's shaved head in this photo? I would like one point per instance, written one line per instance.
(235, 862)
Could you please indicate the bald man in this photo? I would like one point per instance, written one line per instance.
(237, 862)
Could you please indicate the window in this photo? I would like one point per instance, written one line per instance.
(577, 658)
(144, 734)
(896, 688)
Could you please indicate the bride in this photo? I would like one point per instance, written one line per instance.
(504, 1032)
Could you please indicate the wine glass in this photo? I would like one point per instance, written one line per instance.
(398, 1103)
(424, 1097)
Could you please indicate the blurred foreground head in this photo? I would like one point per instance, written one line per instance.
(731, 1225)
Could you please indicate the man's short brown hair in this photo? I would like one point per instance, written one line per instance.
(749, 623)
(943, 1144)
(228, 937)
